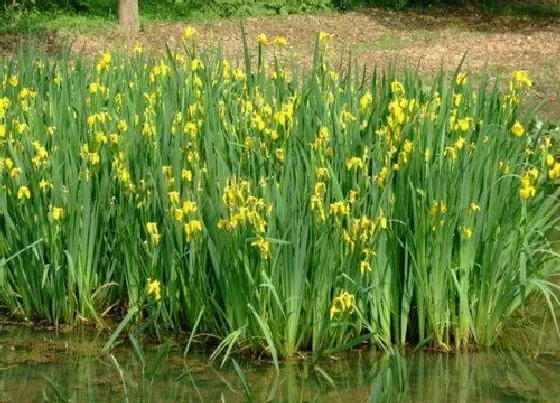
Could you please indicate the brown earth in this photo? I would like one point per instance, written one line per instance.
(429, 40)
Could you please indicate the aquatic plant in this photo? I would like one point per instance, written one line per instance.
(273, 208)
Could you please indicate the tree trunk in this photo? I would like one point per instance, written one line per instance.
(129, 20)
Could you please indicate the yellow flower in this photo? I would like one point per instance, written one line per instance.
(450, 152)
(106, 58)
(154, 289)
(397, 115)
(355, 163)
(262, 39)
(365, 101)
(364, 266)
(334, 310)
(280, 41)
(44, 185)
(279, 153)
(408, 146)
(178, 214)
(13, 80)
(460, 143)
(173, 197)
(322, 172)
(186, 175)
(383, 224)
(21, 127)
(152, 228)
(324, 37)
(137, 48)
(340, 208)
(148, 130)
(101, 138)
(196, 64)
(23, 193)
(521, 79)
(381, 177)
(280, 118)
(123, 175)
(93, 158)
(319, 188)
(533, 172)
(517, 129)
(104, 62)
(504, 167)
(57, 213)
(2, 130)
(317, 207)
(347, 299)
(527, 188)
(226, 224)
(190, 129)
(473, 207)
(346, 117)
(189, 32)
(467, 232)
(527, 192)
(114, 138)
(15, 172)
(464, 124)
(457, 100)
(461, 78)
(264, 247)
(397, 87)
(238, 74)
(122, 126)
(192, 228)
(555, 171)
(341, 303)
(189, 207)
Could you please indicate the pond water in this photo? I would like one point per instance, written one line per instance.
(37, 366)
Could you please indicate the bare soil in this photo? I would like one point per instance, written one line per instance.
(429, 40)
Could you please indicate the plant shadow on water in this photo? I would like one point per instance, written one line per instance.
(70, 367)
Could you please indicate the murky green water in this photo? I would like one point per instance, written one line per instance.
(40, 366)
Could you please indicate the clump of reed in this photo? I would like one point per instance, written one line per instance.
(274, 208)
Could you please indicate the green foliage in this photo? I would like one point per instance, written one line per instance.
(31, 17)
(277, 210)
(258, 7)
(89, 15)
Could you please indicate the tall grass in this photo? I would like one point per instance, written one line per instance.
(273, 208)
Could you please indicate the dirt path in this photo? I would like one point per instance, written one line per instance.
(429, 40)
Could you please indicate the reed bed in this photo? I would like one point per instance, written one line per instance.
(277, 208)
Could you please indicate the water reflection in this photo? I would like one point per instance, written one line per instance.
(37, 367)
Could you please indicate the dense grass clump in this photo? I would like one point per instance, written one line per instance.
(271, 208)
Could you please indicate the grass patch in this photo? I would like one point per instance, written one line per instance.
(36, 22)
(523, 9)
(88, 17)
